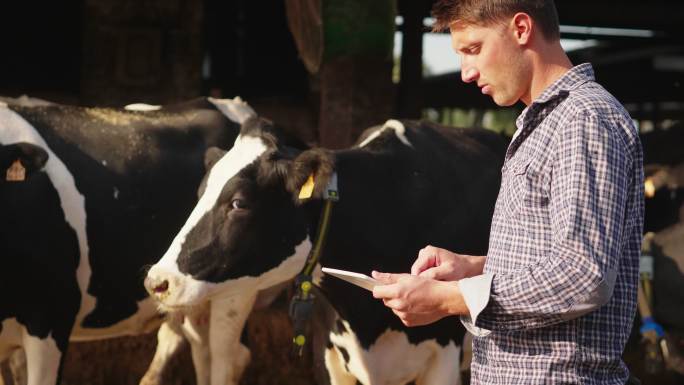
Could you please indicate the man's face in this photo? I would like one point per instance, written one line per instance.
(491, 57)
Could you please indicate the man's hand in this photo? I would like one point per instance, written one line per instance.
(444, 265)
(418, 300)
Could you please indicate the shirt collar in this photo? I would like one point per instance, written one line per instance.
(575, 77)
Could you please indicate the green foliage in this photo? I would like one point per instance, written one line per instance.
(500, 120)
(358, 27)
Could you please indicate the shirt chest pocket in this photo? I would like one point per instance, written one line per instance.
(526, 195)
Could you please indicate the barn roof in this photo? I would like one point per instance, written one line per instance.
(644, 67)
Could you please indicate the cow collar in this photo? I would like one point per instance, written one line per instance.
(302, 302)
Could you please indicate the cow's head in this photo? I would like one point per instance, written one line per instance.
(31, 213)
(30, 158)
(248, 230)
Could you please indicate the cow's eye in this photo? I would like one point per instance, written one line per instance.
(238, 204)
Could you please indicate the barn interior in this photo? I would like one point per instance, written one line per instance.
(279, 56)
(324, 70)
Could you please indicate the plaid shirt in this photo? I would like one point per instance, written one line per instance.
(558, 294)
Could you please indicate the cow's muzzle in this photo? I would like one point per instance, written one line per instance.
(155, 286)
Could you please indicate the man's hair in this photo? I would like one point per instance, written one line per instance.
(487, 12)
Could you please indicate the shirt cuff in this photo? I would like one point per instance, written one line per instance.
(475, 291)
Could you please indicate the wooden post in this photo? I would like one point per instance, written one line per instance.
(354, 65)
(410, 96)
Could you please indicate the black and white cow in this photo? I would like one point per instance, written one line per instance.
(406, 185)
(104, 192)
(665, 242)
(664, 171)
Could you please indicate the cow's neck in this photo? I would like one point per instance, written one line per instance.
(365, 217)
(361, 238)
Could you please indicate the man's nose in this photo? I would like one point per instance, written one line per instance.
(469, 74)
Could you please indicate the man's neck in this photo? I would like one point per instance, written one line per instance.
(548, 65)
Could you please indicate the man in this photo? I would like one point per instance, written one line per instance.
(554, 299)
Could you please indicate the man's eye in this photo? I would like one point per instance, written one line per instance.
(238, 204)
(473, 50)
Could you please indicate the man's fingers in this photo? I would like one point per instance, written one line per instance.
(385, 291)
(415, 319)
(429, 273)
(385, 278)
(419, 265)
(426, 259)
(437, 272)
(396, 304)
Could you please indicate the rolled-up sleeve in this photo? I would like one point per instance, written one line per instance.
(588, 191)
(475, 292)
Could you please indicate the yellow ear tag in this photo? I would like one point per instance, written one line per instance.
(307, 188)
(16, 172)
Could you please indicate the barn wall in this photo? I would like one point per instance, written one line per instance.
(141, 51)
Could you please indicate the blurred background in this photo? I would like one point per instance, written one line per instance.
(351, 62)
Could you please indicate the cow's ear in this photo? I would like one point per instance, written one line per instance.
(317, 164)
(31, 158)
(211, 156)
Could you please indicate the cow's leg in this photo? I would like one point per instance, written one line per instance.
(443, 368)
(13, 367)
(467, 351)
(335, 365)
(169, 342)
(229, 357)
(43, 359)
(17, 367)
(196, 331)
(5, 375)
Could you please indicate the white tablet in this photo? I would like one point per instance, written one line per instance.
(357, 279)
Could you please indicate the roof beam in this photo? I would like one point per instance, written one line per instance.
(653, 15)
(658, 15)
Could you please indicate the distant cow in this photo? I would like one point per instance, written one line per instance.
(664, 242)
(101, 195)
(664, 169)
(665, 211)
(406, 185)
(664, 192)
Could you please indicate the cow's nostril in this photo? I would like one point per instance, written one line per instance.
(162, 287)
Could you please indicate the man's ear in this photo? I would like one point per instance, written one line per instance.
(211, 156)
(318, 163)
(522, 25)
(32, 158)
